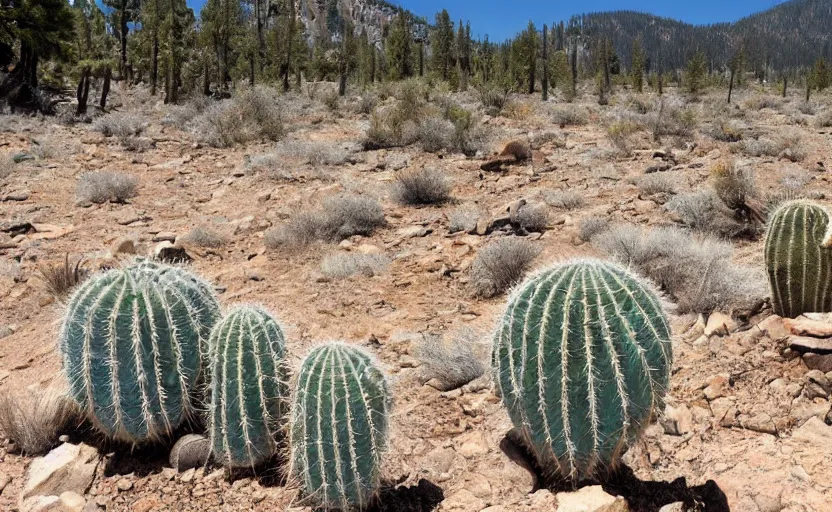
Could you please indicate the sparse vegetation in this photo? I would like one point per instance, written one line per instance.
(253, 114)
(102, 186)
(569, 115)
(311, 152)
(421, 187)
(344, 265)
(591, 226)
(533, 217)
(463, 219)
(60, 279)
(34, 419)
(500, 265)
(119, 125)
(696, 272)
(658, 183)
(205, 237)
(340, 217)
(563, 199)
(450, 361)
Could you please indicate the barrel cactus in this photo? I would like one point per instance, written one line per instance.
(249, 387)
(133, 343)
(798, 259)
(582, 359)
(339, 427)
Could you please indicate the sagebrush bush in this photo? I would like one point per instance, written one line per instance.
(761, 102)
(312, 152)
(390, 129)
(726, 130)
(592, 226)
(119, 125)
(620, 134)
(533, 217)
(569, 115)
(367, 103)
(421, 187)
(493, 99)
(182, 114)
(102, 186)
(451, 361)
(563, 199)
(824, 119)
(704, 212)
(673, 119)
(436, 134)
(658, 183)
(734, 186)
(339, 217)
(696, 272)
(500, 265)
(795, 179)
(464, 219)
(344, 265)
(253, 114)
(205, 237)
(34, 419)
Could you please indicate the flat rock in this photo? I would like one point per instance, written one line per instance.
(815, 433)
(590, 499)
(69, 467)
(72, 501)
(720, 324)
(805, 344)
(41, 504)
(802, 326)
(124, 246)
(822, 362)
(775, 327)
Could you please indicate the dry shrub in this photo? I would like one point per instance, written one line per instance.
(795, 179)
(658, 183)
(824, 119)
(436, 134)
(696, 272)
(500, 265)
(533, 217)
(60, 279)
(340, 217)
(734, 186)
(620, 134)
(312, 152)
(421, 187)
(367, 103)
(761, 102)
(253, 114)
(592, 226)
(569, 115)
(390, 129)
(464, 219)
(563, 199)
(119, 125)
(101, 186)
(672, 118)
(493, 99)
(34, 419)
(205, 237)
(344, 265)
(704, 212)
(181, 115)
(726, 130)
(453, 361)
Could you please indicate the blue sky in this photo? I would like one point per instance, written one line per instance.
(501, 19)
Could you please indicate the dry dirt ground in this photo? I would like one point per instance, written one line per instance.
(740, 416)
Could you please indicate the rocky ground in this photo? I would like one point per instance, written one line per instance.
(745, 410)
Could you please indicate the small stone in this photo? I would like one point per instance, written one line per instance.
(817, 385)
(774, 327)
(124, 484)
(68, 467)
(165, 236)
(406, 361)
(17, 195)
(264, 197)
(41, 504)
(168, 252)
(802, 326)
(590, 499)
(145, 504)
(720, 324)
(762, 423)
(472, 445)
(5, 331)
(4, 481)
(678, 506)
(677, 421)
(72, 501)
(543, 500)
(717, 387)
(818, 362)
(187, 476)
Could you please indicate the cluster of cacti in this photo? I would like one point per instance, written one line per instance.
(339, 427)
(133, 342)
(249, 390)
(582, 359)
(799, 259)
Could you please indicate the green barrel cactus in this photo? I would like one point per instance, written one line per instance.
(249, 387)
(582, 360)
(798, 259)
(339, 427)
(133, 345)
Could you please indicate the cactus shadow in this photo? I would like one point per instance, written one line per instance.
(641, 495)
(425, 496)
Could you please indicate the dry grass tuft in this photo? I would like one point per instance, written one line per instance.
(205, 237)
(119, 125)
(60, 279)
(452, 362)
(592, 226)
(253, 114)
(533, 217)
(569, 115)
(563, 199)
(500, 265)
(34, 420)
(101, 186)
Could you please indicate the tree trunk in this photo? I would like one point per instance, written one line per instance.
(123, 28)
(545, 85)
(261, 42)
(659, 81)
(421, 58)
(105, 89)
(290, 39)
(251, 70)
(785, 85)
(731, 86)
(574, 60)
(83, 92)
(808, 88)
(206, 80)
(372, 65)
(154, 63)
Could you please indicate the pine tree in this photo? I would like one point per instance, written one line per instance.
(221, 24)
(696, 71)
(736, 66)
(545, 83)
(463, 53)
(125, 13)
(399, 47)
(442, 44)
(637, 72)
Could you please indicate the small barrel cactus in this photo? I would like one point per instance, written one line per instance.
(133, 342)
(582, 360)
(339, 427)
(799, 259)
(249, 390)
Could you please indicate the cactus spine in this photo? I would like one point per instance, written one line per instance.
(339, 426)
(249, 388)
(798, 259)
(582, 360)
(132, 343)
